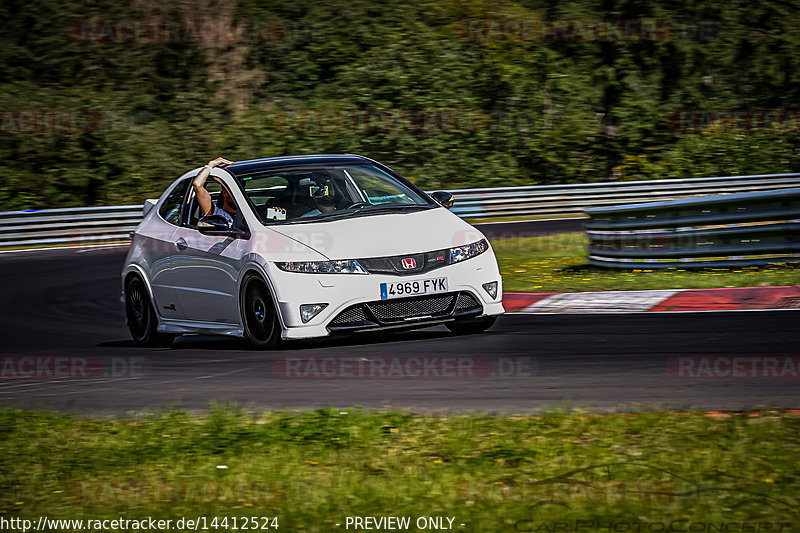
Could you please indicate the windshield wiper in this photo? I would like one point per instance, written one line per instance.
(379, 207)
(389, 208)
(360, 210)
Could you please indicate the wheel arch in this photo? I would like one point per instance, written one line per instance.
(133, 270)
(255, 268)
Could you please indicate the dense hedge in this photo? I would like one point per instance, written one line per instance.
(452, 93)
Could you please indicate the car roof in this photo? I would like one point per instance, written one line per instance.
(250, 166)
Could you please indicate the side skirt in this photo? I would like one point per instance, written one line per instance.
(209, 328)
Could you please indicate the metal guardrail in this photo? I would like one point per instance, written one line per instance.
(573, 199)
(97, 225)
(724, 230)
(69, 226)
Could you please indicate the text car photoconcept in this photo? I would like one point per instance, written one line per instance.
(302, 247)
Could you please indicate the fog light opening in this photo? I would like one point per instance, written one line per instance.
(309, 311)
(491, 289)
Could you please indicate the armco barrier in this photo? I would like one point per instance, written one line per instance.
(95, 225)
(79, 225)
(723, 230)
(573, 199)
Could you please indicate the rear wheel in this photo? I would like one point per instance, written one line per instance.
(140, 316)
(475, 325)
(261, 324)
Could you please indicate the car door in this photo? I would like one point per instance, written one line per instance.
(206, 268)
(158, 249)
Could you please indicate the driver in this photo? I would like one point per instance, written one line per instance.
(207, 207)
(324, 195)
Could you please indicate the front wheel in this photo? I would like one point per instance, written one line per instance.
(259, 317)
(141, 317)
(474, 325)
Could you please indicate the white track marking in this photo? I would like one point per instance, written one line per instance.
(600, 302)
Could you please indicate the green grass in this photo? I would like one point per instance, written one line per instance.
(558, 263)
(326, 465)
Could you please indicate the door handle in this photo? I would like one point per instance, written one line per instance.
(181, 244)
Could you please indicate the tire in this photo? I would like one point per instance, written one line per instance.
(471, 326)
(262, 326)
(140, 315)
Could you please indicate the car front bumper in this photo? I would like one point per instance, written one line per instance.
(354, 301)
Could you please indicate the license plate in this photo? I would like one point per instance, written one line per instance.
(402, 289)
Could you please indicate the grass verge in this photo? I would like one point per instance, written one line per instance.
(557, 263)
(312, 470)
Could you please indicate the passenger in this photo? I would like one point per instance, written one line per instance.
(207, 207)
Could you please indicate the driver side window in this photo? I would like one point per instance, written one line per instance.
(193, 212)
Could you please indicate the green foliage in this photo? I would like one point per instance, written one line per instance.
(501, 110)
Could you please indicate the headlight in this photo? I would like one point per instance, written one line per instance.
(324, 267)
(466, 252)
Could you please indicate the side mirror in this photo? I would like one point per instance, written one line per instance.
(214, 223)
(149, 204)
(444, 198)
(219, 225)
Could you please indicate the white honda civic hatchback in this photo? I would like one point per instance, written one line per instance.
(301, 247)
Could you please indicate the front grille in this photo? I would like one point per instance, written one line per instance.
(394, 312)
(412, 307)
(466, 301)
(424, 262)
(351, 316)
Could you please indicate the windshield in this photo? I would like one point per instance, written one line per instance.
(308, 193)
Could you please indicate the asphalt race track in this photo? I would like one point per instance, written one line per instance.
(63, 305)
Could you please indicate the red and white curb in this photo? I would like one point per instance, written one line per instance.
(676, 300)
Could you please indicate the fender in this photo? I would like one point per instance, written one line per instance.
(139, 270)
(254, 265)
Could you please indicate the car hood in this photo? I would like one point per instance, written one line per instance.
(382, 235)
